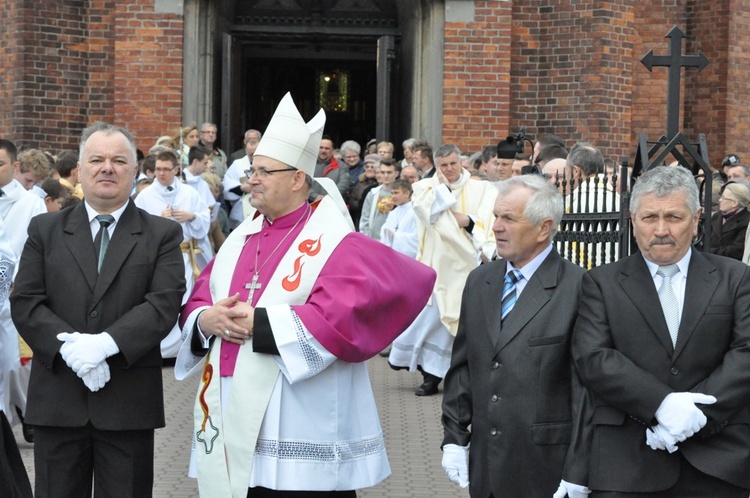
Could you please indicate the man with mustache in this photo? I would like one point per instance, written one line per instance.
(662, 343)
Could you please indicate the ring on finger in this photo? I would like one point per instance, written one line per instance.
(228, 333)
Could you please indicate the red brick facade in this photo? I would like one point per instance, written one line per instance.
(575, 71)
(572, 69)
(68, 64)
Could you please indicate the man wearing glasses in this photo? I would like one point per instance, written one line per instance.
(218, 156)
(287, 313)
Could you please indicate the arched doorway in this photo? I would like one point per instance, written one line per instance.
(339, 55)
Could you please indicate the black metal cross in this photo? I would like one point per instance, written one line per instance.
(675, 61)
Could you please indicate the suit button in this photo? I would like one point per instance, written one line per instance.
(494, 398)
(674, 371)
(495, 365)
(494, 432)
(94, 314)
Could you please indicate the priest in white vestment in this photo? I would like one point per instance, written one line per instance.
(169, 198)
(287, 313)
(17, 207)
(454, 225)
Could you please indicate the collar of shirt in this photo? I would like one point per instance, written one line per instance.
(94, 223)
(163, 189)
(288, 220)
(11, 187)
(528, 270)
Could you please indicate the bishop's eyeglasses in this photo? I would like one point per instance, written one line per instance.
(263, 172)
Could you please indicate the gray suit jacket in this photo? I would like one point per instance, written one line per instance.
(514, 385)
(624, 355)
(136, 299)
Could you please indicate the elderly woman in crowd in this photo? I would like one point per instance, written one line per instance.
(729, 223)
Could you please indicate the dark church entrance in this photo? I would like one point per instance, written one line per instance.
(340, 56)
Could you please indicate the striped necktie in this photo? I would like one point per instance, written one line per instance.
(668, 300)
(509, 291)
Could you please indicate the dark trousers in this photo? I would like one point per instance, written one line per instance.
(66, 458)
(691, 484)
(270, 493)
(14, 482)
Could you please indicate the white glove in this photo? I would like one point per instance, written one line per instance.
(456, 463)
(82, 352)
(571, 490)
(679, 415)
(97, 377)
(658, 438)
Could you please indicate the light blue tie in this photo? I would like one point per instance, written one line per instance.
(668, 300)
(509, 291)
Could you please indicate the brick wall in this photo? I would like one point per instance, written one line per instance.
(44, 72)
(68, 64)
(716, 98)
(147, 71)
(572, 71)
(476, 79)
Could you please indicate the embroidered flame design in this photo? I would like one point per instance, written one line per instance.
(208, 373)
(309, 247)
(291, 282)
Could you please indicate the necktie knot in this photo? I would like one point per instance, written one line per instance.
(509, 292)
(513, 276)
(668, 271)
(105, 220)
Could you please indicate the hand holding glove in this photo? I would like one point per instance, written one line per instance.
(456, 463)
(82, 352)
(97, 377)
(658, 438)
(571, 490)
(680, 416)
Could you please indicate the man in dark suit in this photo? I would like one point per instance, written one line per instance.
(99, 287)
(663, 345)
(511, 377)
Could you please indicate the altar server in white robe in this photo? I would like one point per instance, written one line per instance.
(454, 225)
(17, 207)
(169, 198)
(400, 229)
(236, 187)
(289, 310)
(200, 158)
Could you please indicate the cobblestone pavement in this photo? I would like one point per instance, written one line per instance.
(411, 425)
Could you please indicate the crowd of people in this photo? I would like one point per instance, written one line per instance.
(269, 272)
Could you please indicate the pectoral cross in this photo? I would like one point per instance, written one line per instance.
(252, 286)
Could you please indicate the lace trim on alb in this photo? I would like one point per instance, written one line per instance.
(6, 277)
(320, 452)
(313, 359)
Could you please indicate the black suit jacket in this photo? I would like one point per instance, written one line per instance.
(624, 354)
(728, 239)
(513, 384)
(136, 299)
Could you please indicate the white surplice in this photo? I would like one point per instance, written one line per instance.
(17, 207)
(400, 230)
(154, 199)
(234, 178)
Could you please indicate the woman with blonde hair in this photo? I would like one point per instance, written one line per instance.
(729, 223)
(186, 138)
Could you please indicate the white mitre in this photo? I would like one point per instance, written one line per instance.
(290, 140)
